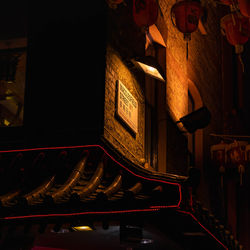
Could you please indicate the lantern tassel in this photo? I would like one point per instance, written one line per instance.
(241, 170)
(241, 62)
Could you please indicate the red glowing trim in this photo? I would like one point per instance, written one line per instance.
(111, 157)
(81, 213)
(159, 207)
(188, 213)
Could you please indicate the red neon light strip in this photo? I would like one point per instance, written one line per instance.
(80, 213)
(160, 207)
(111, 157)
(188, 213)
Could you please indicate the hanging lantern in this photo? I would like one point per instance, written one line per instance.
(244, 6)
(218, 156)
(236, 29)
(145, 12)
(236, 157)
(185, 16)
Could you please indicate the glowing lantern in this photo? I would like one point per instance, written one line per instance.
(236, 29)
(236, 157)
(218, 156)
(145, 12)
(244, 6)
(186, 14)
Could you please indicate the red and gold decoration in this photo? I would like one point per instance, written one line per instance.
(228, 157)
(145, 12)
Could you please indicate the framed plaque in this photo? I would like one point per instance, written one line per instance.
(127, 107)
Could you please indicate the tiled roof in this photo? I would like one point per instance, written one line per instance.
(37, 180)
(61, 184)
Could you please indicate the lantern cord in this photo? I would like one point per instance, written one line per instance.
(187, 50)
(241, 62)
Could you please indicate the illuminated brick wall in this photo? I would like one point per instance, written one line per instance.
(130, 145)
(176, 66)
(203, 69)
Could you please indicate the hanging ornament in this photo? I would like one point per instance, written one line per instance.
(185, 17)
(244, 6)
(236, 157)
(145, 12)
(218, 156)
(236, 29)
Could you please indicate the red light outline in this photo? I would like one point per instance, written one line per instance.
(188, 213)
(111, 157)
(79, 213)
(150, 209)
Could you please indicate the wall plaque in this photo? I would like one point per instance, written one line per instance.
(127, 107)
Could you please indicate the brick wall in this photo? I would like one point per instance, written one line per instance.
(130, 145)
(203, 68)
(176, 66)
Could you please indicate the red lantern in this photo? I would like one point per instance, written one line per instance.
(187, 14)
(145, 12)
(236, 29)
(244, 6)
